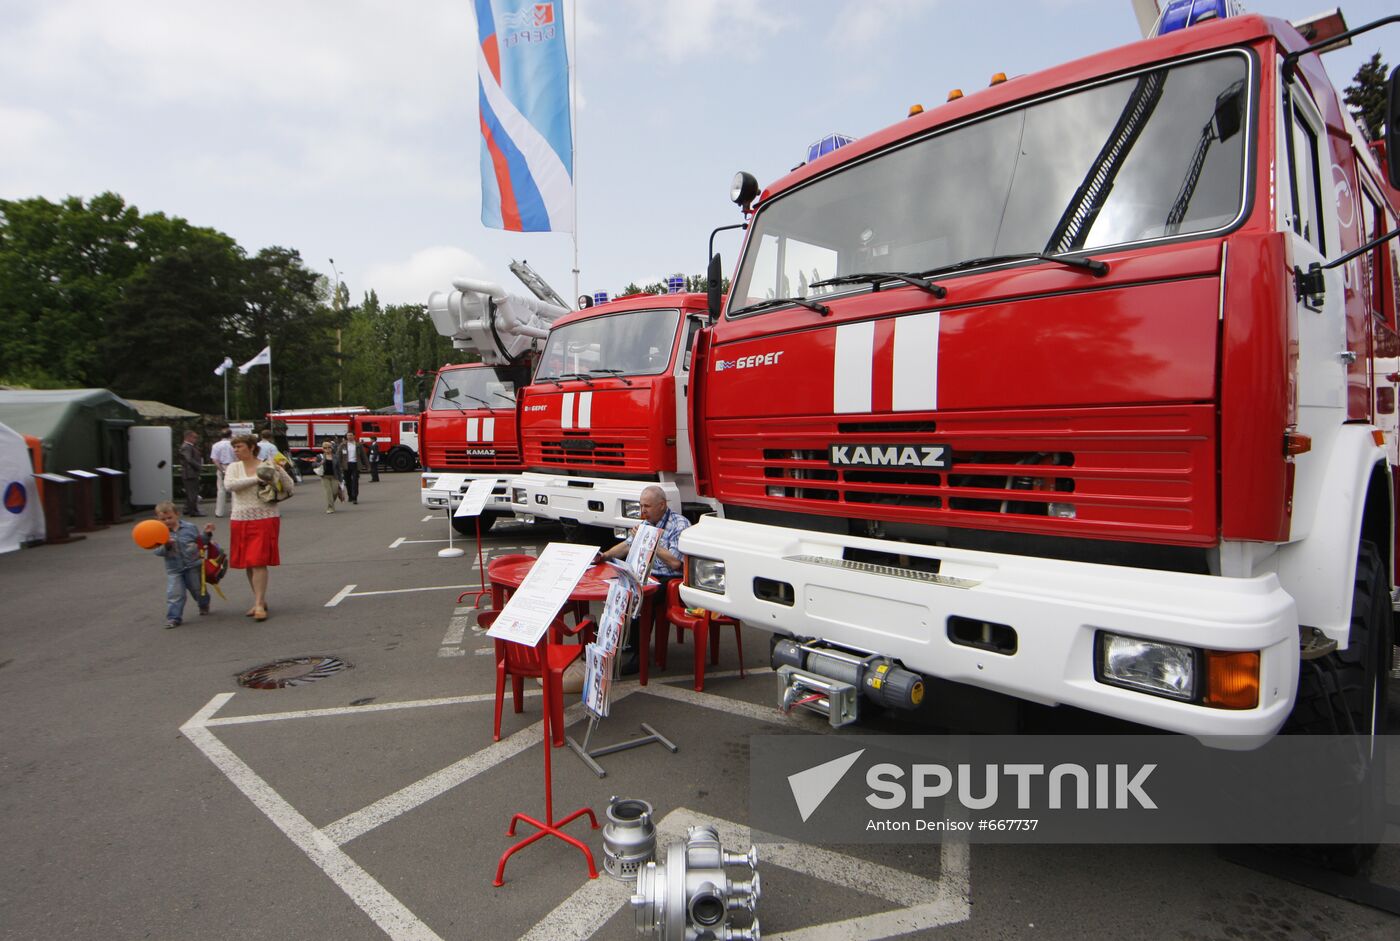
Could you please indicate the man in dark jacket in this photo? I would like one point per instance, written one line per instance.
(191, 462)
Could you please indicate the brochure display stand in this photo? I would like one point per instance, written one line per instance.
(473, 502)
(602, 663)
(450, 484)
(525, 620)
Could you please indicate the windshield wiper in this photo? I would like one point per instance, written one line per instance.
(783, 302)
(508, 398)
(617, 373)
(1095, 267)
(581, 376)
(450, 397)
(876, 278)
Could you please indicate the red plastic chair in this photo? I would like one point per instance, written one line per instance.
(518, 662)
(703, 631)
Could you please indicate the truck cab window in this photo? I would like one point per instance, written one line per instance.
(1306, 218)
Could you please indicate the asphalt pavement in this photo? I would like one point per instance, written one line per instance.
(145, 794)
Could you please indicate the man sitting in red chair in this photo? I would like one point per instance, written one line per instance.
(666, 565)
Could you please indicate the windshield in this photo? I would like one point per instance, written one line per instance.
(474, 388)
(1154, 155)
(635, 343)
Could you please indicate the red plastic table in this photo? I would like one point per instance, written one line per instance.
(507, 573)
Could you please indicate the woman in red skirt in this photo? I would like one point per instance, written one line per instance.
(254, 526)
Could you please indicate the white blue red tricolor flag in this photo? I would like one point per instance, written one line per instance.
(526, 131)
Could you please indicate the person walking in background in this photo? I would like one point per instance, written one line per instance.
(267, 448)
(182, 563)
(348, 457)
(222, 456)
(191, 462)
(326, 468)
(254, 527)
(372, 457)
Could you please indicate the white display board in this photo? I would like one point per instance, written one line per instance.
(474, 500)
(528, 613)
(449, 483)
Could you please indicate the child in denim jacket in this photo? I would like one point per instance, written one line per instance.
(183, 563)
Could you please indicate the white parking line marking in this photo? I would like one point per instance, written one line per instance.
(340, 596)
(391, 915)
(404, 541)
(347, 710)
(428, 519)
(439, 782)
(397, 542)
(451, 652)
(347, 593)
(456, 630)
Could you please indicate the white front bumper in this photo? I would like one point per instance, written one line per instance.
(498, 502)
(592, 501)
(1055, 608)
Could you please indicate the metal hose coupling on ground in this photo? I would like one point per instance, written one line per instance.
(689, 897)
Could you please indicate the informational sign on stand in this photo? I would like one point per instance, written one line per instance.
(450, 483)
(474, 500)
(528, 613)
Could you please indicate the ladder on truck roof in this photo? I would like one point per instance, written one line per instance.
(537, 285)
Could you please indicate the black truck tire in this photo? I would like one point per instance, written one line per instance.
(1346, 692)
(401, 460)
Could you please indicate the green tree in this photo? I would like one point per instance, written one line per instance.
(1366, 94)
(282, 305)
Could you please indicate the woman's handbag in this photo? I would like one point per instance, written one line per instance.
(319, 470)
(274, 485)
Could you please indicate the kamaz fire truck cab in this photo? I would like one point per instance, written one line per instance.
(1068, 389)
(605, 416)
(470, 424)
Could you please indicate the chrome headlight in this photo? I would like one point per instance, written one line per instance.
(705, 574)
(1148, 666)
(632, 509)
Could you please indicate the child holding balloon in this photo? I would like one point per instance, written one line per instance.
(183, 562)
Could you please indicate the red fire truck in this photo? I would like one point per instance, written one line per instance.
(307, 428)
(605, 416)
(394, 435)
(1079, 389)
(470, 423)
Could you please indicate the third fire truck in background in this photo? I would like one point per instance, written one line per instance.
(469, 425)
(1080, 389)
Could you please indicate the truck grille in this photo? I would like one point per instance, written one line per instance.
(459, 457)
(1144, 473)
(586, 450)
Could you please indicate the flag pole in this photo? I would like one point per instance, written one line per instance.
(269, 374)
(225, 375)
(573, 138)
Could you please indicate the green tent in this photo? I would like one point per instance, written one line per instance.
(80, 428)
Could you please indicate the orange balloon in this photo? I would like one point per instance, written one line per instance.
(150, 533)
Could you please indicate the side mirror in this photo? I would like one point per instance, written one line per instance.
(450, 393)
(1392, 127)
(714, 292)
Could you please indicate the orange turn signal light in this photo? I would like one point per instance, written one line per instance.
(1294, 444)
(955, 94)
(915, 109)
(1232, 679)
(1378, 436)
(998, 78)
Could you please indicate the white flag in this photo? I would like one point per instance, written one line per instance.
(223, 367)
(262, 359)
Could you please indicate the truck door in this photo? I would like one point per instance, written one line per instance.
(1308, 217)
(408, 435)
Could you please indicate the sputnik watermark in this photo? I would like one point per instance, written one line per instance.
(1105, 787)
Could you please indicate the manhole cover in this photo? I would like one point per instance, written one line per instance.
(297, 671)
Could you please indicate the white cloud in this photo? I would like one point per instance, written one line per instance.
(426, 271)
(861, 25)
(687, 29)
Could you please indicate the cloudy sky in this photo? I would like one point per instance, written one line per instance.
(348, 129)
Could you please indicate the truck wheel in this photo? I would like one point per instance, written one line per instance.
(1346, 692)
(401, 461)
(466, 525)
